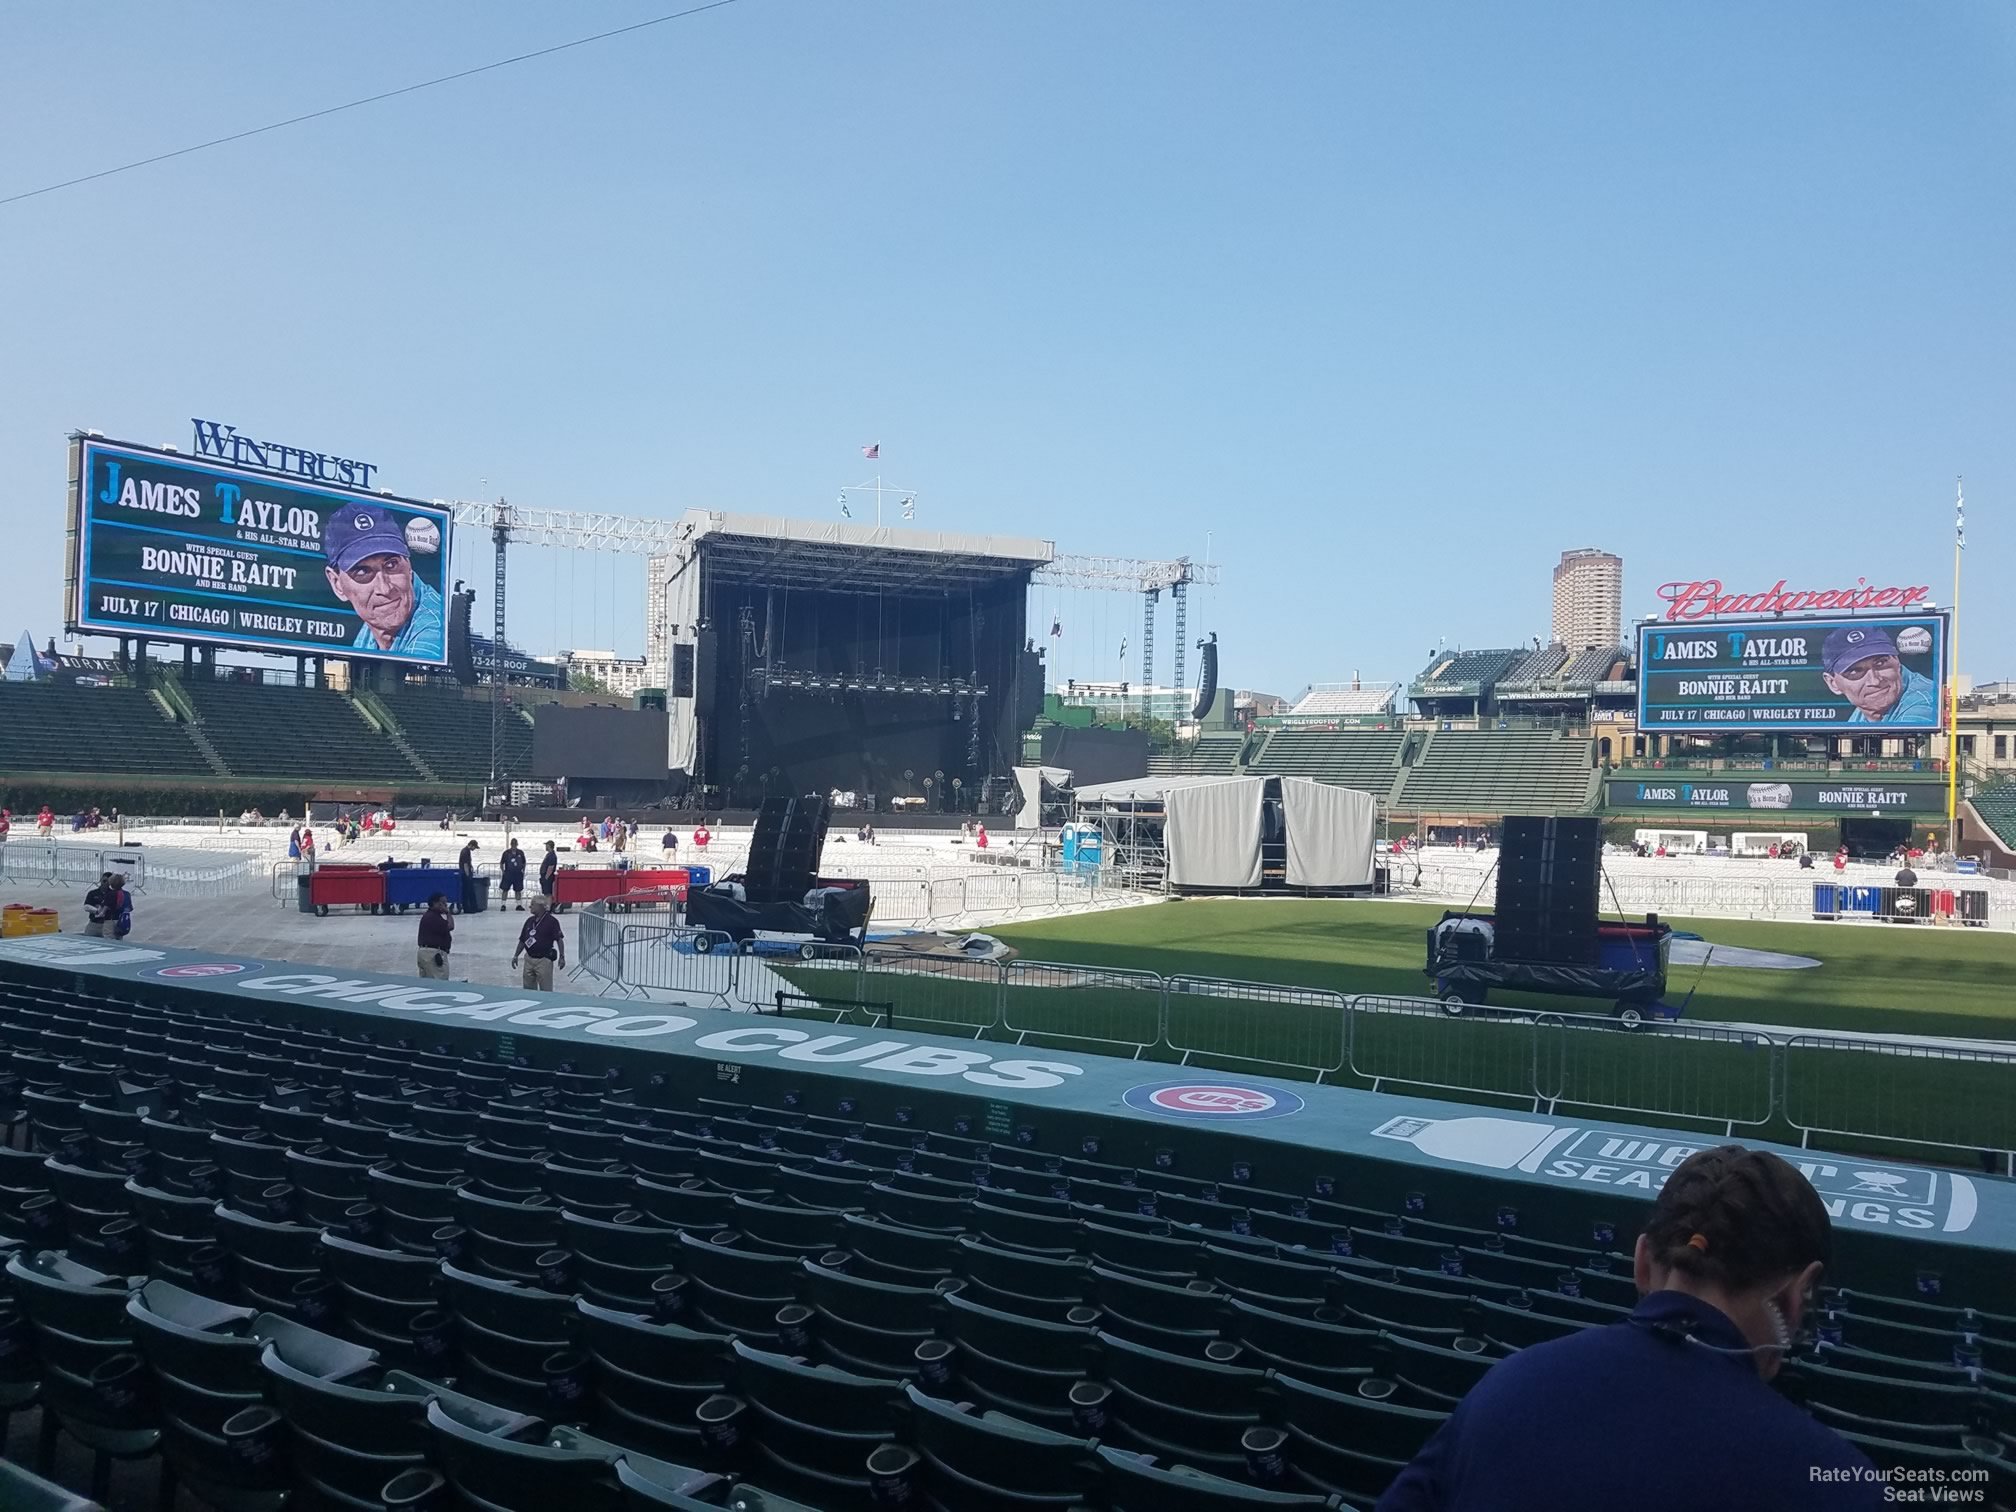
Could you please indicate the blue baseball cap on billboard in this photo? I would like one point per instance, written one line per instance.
(357, 531)
(1848, 644)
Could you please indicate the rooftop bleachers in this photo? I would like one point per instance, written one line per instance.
(266, 731)
(1214, 754)
(63, 727)
(1362, 759)
(452, 733)
(376, 1262)
(289, 1262)
(1997, 808)
(1467, 670)
(1341, 700)
(1498, 772)
(1594, 666)
(1541, 663)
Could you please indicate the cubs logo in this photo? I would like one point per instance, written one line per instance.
(1217, 1102)
(202, 969)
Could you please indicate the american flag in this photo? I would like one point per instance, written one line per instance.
(872, 453)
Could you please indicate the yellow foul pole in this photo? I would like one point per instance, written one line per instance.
(1953, 673)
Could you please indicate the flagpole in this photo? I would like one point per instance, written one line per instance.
(1953, 673)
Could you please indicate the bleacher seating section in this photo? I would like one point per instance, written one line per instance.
(452, 733)
(1484, 667)
(1498, 772)
(1537, 667)
(264, 731)
(280, 1263)
(61, 727)
(1997, 807)
(1360, 759)
(1592, 667)
(1214, 753)
(1345, 701)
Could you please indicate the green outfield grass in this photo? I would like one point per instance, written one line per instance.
(1873, 979)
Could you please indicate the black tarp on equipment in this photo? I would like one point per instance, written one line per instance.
(839, 918)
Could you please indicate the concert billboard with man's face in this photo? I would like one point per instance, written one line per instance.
(1874, 676)
(170, 548)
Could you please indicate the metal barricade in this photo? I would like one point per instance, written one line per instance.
(1104, 1006)
(1412, 1041)
(1263, 1022)
(939, 993)
(663, 961)
(1952, 1097)
(1691, 1071)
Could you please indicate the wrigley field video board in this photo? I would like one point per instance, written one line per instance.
(167, 547)
(1793, 674)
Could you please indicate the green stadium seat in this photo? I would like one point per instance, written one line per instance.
(1509, 1327)
(689, 1205)
(990, 1462)
(1133, 1484)
(616, 1260)
(866, 1326)
(1180, 1407)
(1349, 1444)
(650, 1378)
(561, 1469)
(21, 1490)
(1009, 1363)
(505, 1336)
(1431, 1375)
(382, 1293)
(1269, 1281)
(815, 1426)
(890, 1252)
(1180, 1319)
(1319, 1349)
(269, 1259)
(219, 1437)
(92, 1381)
(1035, 1286)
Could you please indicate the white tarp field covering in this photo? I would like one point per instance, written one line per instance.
(1330, 832)
(1213, 833)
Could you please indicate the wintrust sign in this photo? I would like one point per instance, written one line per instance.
(1706, 598)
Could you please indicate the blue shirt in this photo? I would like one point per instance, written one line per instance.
(1917, 703)
(1626, 1419)
(420, 636)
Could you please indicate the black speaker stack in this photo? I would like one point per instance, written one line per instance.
(1549, 878)
(784, 852)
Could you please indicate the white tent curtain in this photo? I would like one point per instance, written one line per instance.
(1212, 832)
(1330, 832)
(677, 598)
(1029, 781)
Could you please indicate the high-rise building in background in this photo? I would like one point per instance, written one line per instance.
(1588, 599)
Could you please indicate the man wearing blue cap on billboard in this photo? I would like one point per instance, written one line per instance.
(371, 569)
(1860, 662)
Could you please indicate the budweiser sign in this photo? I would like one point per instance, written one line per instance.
(1705, 599)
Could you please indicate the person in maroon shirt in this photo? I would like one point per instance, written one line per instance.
(437, 937)
(542, 944)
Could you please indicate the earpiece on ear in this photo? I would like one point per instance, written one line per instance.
(1781, 1333)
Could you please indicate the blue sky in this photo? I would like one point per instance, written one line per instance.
(1388, 304)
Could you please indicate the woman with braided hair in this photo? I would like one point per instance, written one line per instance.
(1670, 1411)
